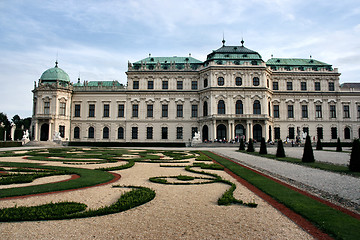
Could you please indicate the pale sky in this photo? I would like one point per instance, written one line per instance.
(96, 39)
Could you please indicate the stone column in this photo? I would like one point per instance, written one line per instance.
(50, 135)
(36, 131)
(266, 132)
(214, 129)
(231, 129)
(248, 130)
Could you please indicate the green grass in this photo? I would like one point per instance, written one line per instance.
(335, 223)
(319, 165)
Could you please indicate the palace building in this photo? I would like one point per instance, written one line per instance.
(233, 93)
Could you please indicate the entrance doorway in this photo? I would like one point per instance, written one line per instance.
(221, 131)
(257, 132)
(239, 131)
(44, 132)
(205, 133)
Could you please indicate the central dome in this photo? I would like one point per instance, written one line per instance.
(54, 74)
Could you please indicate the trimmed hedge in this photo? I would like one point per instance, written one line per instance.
(10, 144)
(128, 144)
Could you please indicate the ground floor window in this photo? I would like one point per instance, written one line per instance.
(333, 133)
(134, 133)
(149, 133)
(277, 132)
(164, 133)
(62, 131)
(319, 132)
(179, 133)
(193, 131)
(347, 133)
(105, 133)
(76, 132)
(120, 133)
(291, 133)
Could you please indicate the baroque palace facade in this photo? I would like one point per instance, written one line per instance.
(232, 94)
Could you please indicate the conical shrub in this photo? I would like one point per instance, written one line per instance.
(242, 145)
(338, 146)
(280, 149)
(308, 155)
(250, 146)
(263, 146)
(355, 156)
(319, 145)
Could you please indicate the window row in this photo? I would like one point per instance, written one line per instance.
(238, 81)
(62, 108)
(303, 86)
(165, 85)
(239, 107)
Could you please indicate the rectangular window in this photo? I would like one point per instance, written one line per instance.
(77, 110)
(106, 110)
(303, 86)
(193, 131)
(134, 133)
(304, 109)
(62, 131)
(306, 130)
(150, 110)
(91, 110)
(164, 133)
(276, 111)
(46, 107)
(291, 133)
(164, 110)
(165, 85)
(358, 111)
(179, 133)
(150, 84)
(277, 132)
(331, 86)
(290, 111)
(194, 110)
(346, 111)
(135, 84)
(194, 85)
(121, 108)
(275, 85)
(318, 111)
(62, 109)
(319, 132)
(333, 133)
(332, 111)
(179, 110)
(289, 86)
(149, 133)
(135, 110)
(179, 85)
(317, 86)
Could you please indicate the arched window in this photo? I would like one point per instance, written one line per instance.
(256, 81)
(76, 132)
(221, 107)
(257, 107)
(239, 107)
(221, 81)
(91, 132)
(205, 82)
(105, 133)
(120, 133)
(205, 109)
(238, 81)
(347, 133)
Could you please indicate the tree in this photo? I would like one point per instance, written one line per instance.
(338, 146)
(280, 149)
(242, 145)
(319, 145)
(17, 121)
(308, 155)
(250, 146)
(5, 126)
(355, 156)
(263, 147)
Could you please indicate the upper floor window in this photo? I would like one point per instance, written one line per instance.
(317, 86)
(106, 110)
(332, 111)
(91, 110)
(275, 85)
(77, 110)
(257, 107)
(290, 111)
(121, 110)
(331, 86)
(346, 111)
(304, 110)
(239, 107)
(205, 82)
(179, 85)
(194, 85)
(164, 110)
(256, 81)
(303, 86)
(150, 84)
(221, 107)
(318, 111)
(135, 84)
(46, 107)
(221, 81)
(62, 109)
(289, 86)
(205, 109)
(135, 110)
(106, 133)
(179, 110)
(165, 85)
(194, 110)
(276, 111)
(238, 81)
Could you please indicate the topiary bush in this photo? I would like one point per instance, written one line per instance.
(355, 156)
(308, 155)
(250, 146)
(319, 145)
(338, 146)
(242, 145)
(263, 147)
(280, 152)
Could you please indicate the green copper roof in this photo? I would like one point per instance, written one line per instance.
(295, 62)
(99, 83)
(164, 60)
(54, 74)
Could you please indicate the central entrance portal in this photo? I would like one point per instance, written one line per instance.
(221, 131)
(44, 132)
